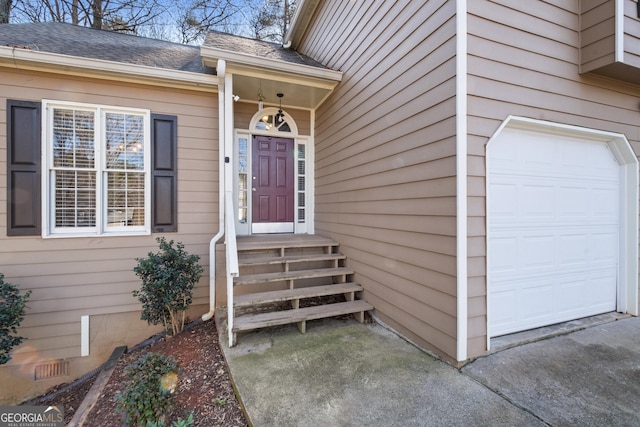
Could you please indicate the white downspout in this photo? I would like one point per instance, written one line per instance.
(220, 70)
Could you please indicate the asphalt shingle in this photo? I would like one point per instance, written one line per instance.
(73, 40)
(67, 39)
(257, 48)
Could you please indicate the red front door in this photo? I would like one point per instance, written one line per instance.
(273, 186)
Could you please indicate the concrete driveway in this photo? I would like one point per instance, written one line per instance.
(342, 373)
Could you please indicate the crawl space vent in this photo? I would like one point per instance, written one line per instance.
(55, 368)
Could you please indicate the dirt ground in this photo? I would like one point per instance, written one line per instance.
(204, 386)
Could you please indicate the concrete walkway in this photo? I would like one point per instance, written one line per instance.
(342, 373)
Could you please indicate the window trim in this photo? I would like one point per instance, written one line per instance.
(100, 230)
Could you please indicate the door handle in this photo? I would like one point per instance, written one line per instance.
(253, 188)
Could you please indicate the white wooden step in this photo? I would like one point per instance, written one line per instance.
(262, 320)
(293, 294)
(291, 275)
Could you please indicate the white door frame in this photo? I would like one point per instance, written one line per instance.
(303, 160)
(627, 288)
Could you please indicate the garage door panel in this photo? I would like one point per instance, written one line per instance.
(570, 295)
(572, 250)
(554, 206)
(573, 201)
(504, 312)
(504, 258)
(537, 153)
(602, 290)
(605, 203)
(604, 249)
(540, 250)
(536, 303)
(534, 201)
(505, 196)
(530, 303)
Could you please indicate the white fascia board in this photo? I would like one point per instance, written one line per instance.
(235, 59)
(25, 59)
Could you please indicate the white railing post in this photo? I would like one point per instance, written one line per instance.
(232, 261)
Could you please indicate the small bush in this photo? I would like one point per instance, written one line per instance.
(12, 306)
(168, 278)
(147, 396)
(180, 422)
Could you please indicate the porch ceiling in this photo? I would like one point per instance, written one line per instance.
(303, 86)
(296, 95)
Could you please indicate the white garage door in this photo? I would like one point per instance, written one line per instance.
(553, 224)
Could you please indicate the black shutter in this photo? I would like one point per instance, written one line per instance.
(23, 168)
(164, 176)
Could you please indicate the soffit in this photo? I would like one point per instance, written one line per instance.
(270, 68)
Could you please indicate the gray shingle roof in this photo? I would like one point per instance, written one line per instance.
(55, 37)
(257, 48)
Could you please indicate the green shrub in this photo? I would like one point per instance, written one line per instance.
(12, 306)
(147, 396)
(168, 278)
(180, 422)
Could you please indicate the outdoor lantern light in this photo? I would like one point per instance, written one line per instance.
(260, 101)
(260, 98)
(280, 116)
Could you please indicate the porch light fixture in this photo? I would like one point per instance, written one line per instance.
(261, 98)
(280, 116)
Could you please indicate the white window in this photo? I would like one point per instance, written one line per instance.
(96, 178)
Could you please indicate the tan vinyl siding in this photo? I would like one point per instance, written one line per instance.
(610, 44)
(597, 34)
(385, 158)
(529, 70)
(631, 34)
(71, 277)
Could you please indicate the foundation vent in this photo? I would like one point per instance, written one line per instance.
(52, 369)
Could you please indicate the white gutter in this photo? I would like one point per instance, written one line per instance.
(461, 180)
(26, 59)
(221, 70)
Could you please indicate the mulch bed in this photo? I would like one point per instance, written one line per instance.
(204, 385)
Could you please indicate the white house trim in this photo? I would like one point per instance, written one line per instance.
(619, 30)
(461, 180)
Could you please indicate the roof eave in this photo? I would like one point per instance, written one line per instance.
(243, 61)
(25, 59)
